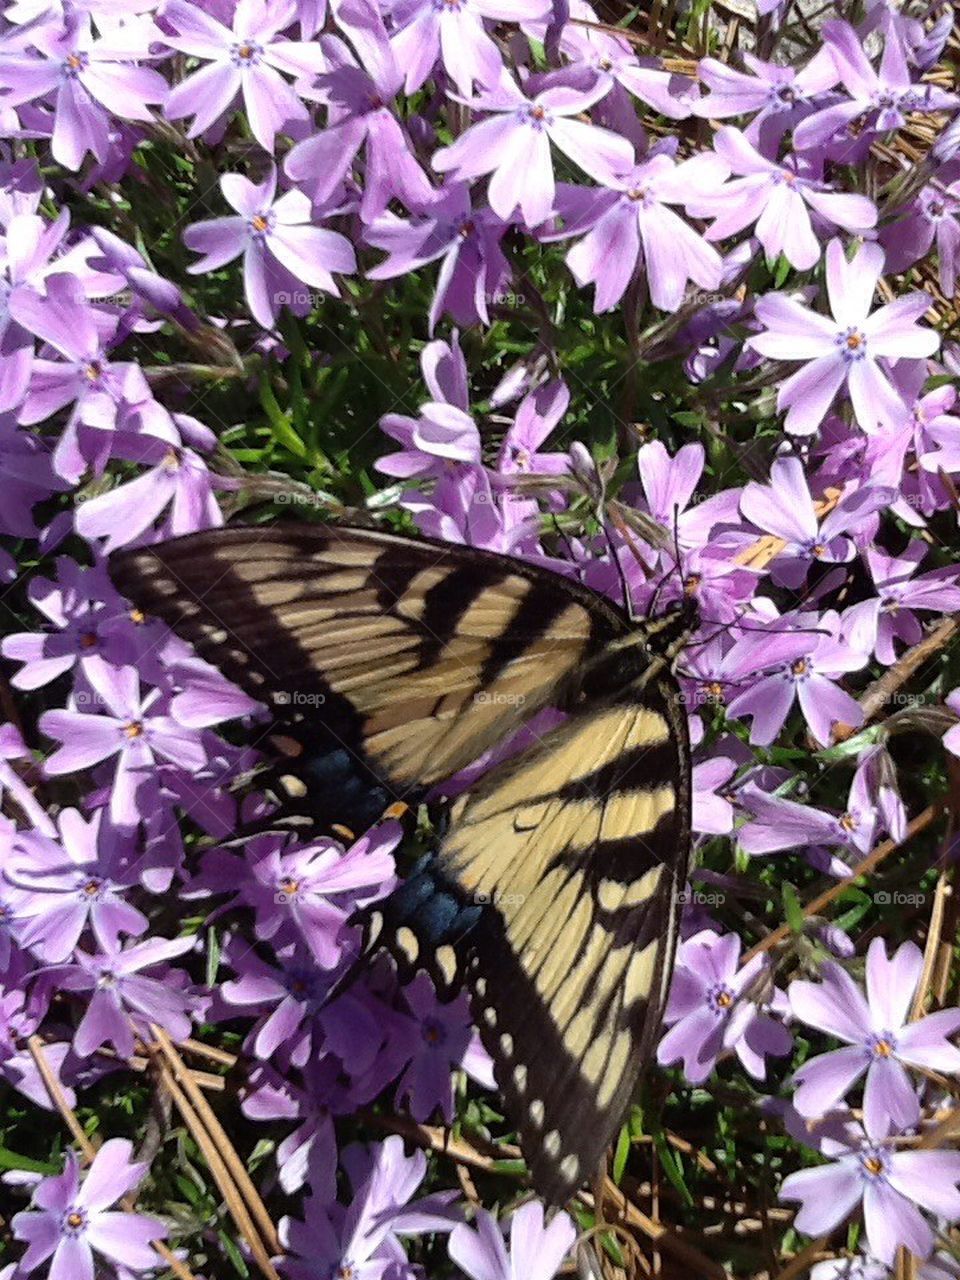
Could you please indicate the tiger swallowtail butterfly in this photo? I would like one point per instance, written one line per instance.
(392, 663)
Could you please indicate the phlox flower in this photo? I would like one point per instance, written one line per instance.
(881, 1041)
(362, 1239)
(777, 97)
(513, 145)
(359, 116)
(951, 739)
(71, 1219)
(716, 1008)
(843, 349)
(89, 80)
(122, 999)
(777, 823)
(21, 186)
(474, 271)
(785, 508)
(538, 415)
(630, 223)
(885, 97)
(132, 727)
(775, 196)
(247, 60)
(932, 219)
(178, 478)
(59, 887)
(26, 476)
(455, 35)
(809, 678)
(441, 1037)
(889, 617)
(536, 1249)
(282, 248)
(870, 1169)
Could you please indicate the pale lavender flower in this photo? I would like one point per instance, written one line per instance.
(785, 508)
(536, 1250)
(124, 1001)
(456, 35)
(132, 728)
(71, 1219)
(776, 96)
(844, 349)
(716, 1008)
(89, 80)
(513, 145)
(281, 247)
(631, 223)
(774, 195)
(362, 1239)
(474, 271)
(777, 823)
(933, 218)
(309, 891)
(809, 679)
(885, 97)
(882, 1041)
(538, 414)
(888, 618)
(870, 1169)
(178, 478)
(247, 60)
(359, 116)
(951, 739)
(59, 887)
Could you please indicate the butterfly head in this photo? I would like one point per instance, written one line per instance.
(669, 632)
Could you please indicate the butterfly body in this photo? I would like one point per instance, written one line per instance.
(390, 666)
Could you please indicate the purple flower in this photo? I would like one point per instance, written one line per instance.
(951, 739)
(785, 509)
(362, 1239)
(246, 60)
(536, 1250)
(473, 269)
(631, 222)
(775, 196)
(359, 116)
(60, 887)
(932, 218)
(869, 1168)
(879, 623)
(882, 1042)
(441, 1038)
(884, 97)
(513, 145)
(776, 96)
(716, 1008)
(122, 1000)
(72, 1219)
(822, 657)
(537, 416)
(139, 737)
(309, 891)
(456, 35)
(89, 80)
(844, 349)
(280, 246)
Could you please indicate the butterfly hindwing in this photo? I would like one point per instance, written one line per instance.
(578, 851)
(393, 662)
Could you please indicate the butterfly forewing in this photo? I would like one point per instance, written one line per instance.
(401, 661)
(554, 893)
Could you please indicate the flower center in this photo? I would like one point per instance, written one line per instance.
(171, 459)
(87, 639)
(91, 888)
(785, 96)
(93, 372)
(882, 1046)
(259, 224)
(714, 691)
(537, 116)
(73, 1222)
(432, 1032)
(73, 64)
(800, 669)
(137, 616)
(848, 822)
(638, 194)
(134, 729)
(521, 457)
(289, 887)
(467, 229)
(853, 343)
(720, 998)
(246, 54)
(872, 1162)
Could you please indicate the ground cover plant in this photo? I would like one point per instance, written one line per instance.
(662, 298)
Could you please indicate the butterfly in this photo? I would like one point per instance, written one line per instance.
(391, 664)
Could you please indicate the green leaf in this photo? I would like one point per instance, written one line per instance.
(621, 1153)
(283, 432)
(672, 1167)
(853, 746)
(793, 908)
(13, 1160)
